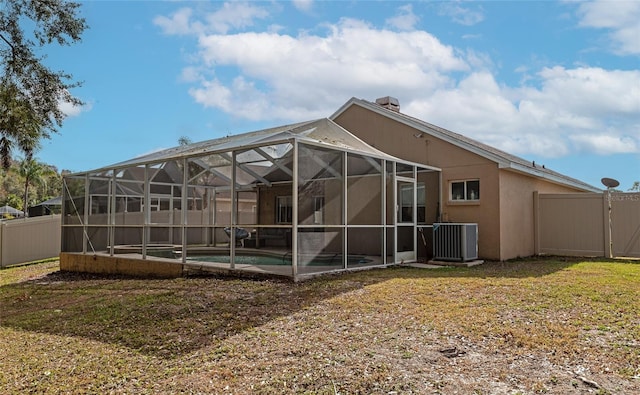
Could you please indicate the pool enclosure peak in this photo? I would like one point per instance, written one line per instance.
(321, 131)
(295, 200)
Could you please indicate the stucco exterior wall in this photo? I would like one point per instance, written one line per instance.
(267, 202)
(389, 136)
(485, 212)
(431, 182)
(456, 163)
(517, 227)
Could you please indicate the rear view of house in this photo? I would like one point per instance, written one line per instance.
(295, 200)
(359, 190)
(478, 183)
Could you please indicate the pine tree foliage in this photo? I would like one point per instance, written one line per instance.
(31, 92)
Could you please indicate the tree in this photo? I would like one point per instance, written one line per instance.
(635, 187)
(184, 140)
(30, 92)
(13, 201)
(12, 185)
(18, 126)
(33, 172)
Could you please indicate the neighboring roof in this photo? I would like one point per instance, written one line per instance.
(503, 159)
(323, 132)
(56, 201)
(10, 210)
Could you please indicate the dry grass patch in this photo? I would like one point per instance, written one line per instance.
(530, 326)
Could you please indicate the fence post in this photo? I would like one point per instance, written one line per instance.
(536, 223)
(1, 245)
(605, 230)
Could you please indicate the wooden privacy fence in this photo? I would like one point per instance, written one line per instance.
(29, 239)
(578, 224)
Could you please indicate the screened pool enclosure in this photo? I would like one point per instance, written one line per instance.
(296, 200)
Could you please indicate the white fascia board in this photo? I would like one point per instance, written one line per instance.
(423, 128)
(550, 177)
(343, 108)
(499, 160)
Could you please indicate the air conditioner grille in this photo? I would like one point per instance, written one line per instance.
(455, 242)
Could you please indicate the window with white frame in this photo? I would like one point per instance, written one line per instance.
(284, 210)
(468, 190)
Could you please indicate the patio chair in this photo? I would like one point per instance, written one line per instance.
(241, 235)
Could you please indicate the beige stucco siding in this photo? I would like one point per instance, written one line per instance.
(399, 140)
(385, 134)
(517, 227)
(517, 214)
(485, 212)
(267, 206)
(504, 212)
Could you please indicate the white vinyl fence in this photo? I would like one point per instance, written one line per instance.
(29, 239)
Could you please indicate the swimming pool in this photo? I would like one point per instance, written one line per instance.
(280, 259)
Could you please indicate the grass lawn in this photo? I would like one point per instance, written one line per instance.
(557, 326)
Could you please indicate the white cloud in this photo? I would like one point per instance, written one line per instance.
(190, 74)
(607, 144)
(555, 111)
(404, 20)
(303, 5)
(231, 16)
(179, 23)
(573, 110)
(240, 98)
(212, 94)
(235, 15)
(621, 18)
(71, 110)
(310, 73)
(466, 16)
(593, 90)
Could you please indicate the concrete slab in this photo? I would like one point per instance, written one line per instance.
(424, 265)
(456, 263)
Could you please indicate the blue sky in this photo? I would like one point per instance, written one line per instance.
(554, 82)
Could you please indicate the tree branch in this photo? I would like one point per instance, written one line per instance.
(13, 49)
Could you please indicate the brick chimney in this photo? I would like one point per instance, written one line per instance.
(389, 102)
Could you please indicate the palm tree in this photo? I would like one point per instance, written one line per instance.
(33, 172)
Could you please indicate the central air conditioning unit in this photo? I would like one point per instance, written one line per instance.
(455, 242)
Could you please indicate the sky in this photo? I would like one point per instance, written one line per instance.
(557, 83)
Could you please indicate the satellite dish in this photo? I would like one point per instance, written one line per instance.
(609, 182)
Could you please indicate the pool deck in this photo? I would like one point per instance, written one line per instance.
(191, 266)
(129, 260)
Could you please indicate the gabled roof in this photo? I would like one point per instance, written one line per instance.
(321, 132)
(503, 159)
